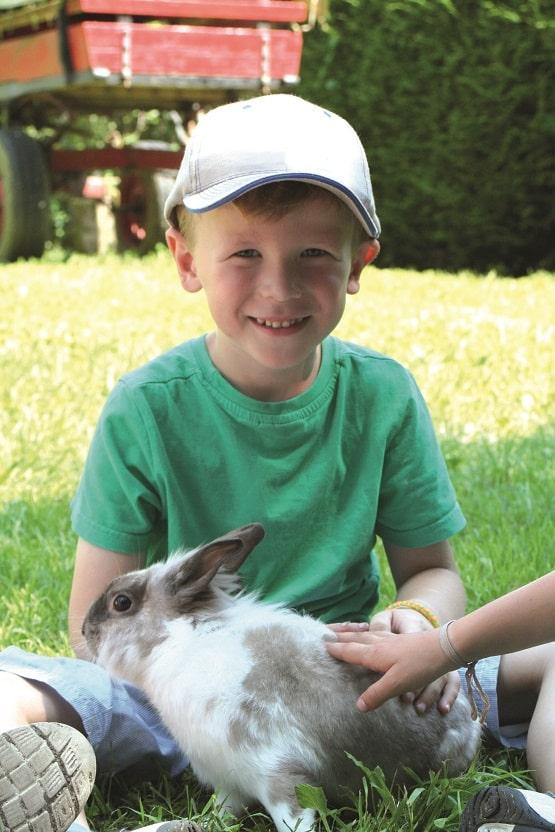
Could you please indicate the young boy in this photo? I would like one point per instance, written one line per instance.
(267, 418)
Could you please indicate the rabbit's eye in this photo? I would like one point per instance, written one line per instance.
(121, 603)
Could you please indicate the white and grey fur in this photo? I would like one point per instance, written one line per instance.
(249, 691)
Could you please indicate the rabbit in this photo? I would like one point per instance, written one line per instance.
(249, 691)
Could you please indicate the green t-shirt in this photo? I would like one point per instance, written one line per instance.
(180, 456)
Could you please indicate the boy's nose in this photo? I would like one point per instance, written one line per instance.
(279, 283)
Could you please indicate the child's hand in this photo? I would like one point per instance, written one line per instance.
(409, 663)
(442, 689)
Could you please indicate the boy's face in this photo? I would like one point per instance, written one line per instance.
(276, 287)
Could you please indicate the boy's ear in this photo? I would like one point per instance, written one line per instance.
(365, 254)
(184, 260)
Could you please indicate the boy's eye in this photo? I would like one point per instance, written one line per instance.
(247, 252)
(314, 252)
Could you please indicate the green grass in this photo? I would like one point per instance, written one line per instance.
(482, 351)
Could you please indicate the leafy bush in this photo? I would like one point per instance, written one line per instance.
(453, 100)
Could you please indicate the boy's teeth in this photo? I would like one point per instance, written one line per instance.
(278, 324)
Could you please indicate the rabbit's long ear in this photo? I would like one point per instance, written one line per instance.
(196, 571)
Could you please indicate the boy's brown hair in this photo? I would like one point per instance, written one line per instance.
(273, 201)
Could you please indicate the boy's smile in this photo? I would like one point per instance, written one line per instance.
(276, 287)
(277, 325)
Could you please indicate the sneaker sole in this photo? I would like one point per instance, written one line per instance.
(47, 772)
(173, 826)
(497, 807)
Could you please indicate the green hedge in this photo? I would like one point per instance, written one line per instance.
(453, 100)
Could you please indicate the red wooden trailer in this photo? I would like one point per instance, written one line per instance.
(65, 62)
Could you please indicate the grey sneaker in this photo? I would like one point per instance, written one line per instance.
(503, 809)
(47, 772)
(163, 826)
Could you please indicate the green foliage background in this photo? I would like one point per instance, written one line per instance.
(453, 100)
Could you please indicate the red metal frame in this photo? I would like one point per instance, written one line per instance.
(107, 158)
(169, 53)
(30, 57)
(270, 11)
(175, 51)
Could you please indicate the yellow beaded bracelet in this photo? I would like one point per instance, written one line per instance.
(417, 607)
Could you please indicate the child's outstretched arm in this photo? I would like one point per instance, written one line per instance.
(94, 569)
(520, 619)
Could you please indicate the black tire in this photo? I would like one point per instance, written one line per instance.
(24, 197)
(139, 218)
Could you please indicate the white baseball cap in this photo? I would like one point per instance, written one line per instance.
(240, 146)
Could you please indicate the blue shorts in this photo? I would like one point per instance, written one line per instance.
(120, 723)
(125, 730)
(510, 736)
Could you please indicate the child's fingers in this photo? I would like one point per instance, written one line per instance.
(350, 651)
(350, 627)
(361, 654)
(364, 636)
(375, 695)
(440, 693)
(352, 638)
(429, 696)
(450, 692)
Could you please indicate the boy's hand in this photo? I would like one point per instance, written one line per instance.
(399, 621)
(407, 672)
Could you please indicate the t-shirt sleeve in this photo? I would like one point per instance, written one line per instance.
(117, 506)
(417, 504)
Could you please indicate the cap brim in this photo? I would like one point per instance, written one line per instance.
(224, 192)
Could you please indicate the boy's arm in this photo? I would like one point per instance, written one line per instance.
(94, 569)
(429, 575)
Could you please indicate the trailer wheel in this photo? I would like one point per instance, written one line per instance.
(139, 218)
(24, 197)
